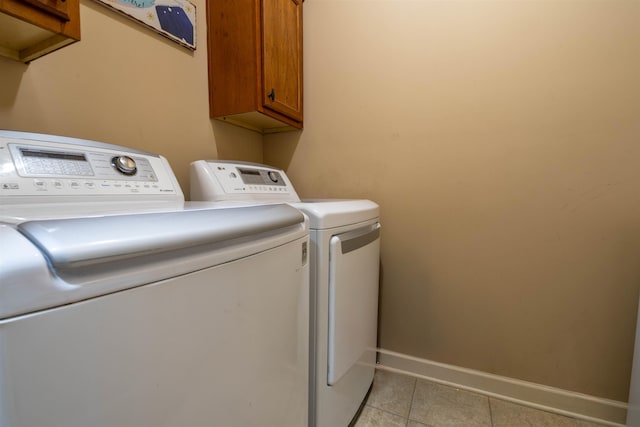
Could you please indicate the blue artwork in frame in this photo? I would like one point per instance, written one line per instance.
(175, 19)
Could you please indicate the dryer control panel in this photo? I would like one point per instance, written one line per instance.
(36, 165)
(216, 180)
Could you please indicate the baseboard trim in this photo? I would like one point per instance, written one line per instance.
(564, 402)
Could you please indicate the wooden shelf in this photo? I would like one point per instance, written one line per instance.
(30, 29)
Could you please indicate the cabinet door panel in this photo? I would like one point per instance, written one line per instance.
(282, 56)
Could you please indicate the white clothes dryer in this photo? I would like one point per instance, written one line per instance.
(121, 305)
(345, 251)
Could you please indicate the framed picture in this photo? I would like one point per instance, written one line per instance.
(174, 19)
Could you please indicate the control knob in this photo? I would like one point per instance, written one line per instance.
(274, 176)
(124, 164)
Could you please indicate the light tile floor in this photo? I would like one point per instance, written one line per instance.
(402, 401)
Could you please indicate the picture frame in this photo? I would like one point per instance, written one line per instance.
(174, 19)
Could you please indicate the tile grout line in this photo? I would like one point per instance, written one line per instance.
(413, 395)
(388, 412)
(490, 411)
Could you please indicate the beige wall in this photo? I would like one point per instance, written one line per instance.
(124, 84)
(502, 141)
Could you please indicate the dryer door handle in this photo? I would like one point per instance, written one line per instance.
(355, 239)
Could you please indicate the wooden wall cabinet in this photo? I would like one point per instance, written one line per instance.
(32, 28)
(255, 63)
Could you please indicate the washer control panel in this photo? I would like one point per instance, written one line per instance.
(36, 165)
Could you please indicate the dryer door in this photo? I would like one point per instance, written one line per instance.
(353, 300)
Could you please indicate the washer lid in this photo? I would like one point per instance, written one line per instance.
(81, 242)
(52, 262)
(331, 213)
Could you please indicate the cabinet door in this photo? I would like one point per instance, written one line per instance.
(282, 56)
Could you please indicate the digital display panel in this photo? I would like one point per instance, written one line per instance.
(52, 155)
(251, 176)
(249, 172)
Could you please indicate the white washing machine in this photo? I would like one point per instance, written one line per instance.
(345, 248)
(120, 305)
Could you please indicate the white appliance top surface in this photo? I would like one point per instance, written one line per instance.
(15, 214)
(331, 213)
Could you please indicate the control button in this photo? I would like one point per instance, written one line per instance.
(124, 164)
(58, 185)
(89, 184)
(74, 184)
(233, 175)
(40, 185)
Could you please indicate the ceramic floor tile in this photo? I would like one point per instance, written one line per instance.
(434, 405)
(392, 392)
(507, 414)
(372, 417)
(441, 406)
